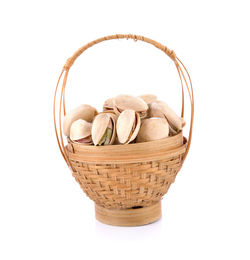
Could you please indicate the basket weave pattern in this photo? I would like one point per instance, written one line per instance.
(127, 185)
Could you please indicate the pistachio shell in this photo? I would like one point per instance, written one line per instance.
(110, 112)
(113, 119)
(183, 122)
(128, 125)
(153, 129)
(84, 112)
(104, 124)
(108, 104)
(161, 109)
(124, 102)
(172, 131)
(137, 128)
(80, 129)
(148, 98)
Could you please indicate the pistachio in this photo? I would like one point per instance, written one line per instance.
(125, 119)
(80, 131)
(128, 125)
(104, 129)
(108, 105)
(125, 102)
(161, 109)
(183, 122)
(153, 129)
(84, 112)
(148, 98)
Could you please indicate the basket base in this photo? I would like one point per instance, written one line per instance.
(129, 217)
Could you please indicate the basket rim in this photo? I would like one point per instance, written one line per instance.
(131, 146)
(138, 152)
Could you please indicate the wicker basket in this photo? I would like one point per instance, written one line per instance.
(126, 182)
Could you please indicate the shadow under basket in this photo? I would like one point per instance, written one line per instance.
(126, 182)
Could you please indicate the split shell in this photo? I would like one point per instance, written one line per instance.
(161, 109)
(84, 112)
(153, 129)
(80, 129)
(100, 124)
(128, 126)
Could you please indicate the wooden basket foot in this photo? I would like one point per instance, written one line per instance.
(129, 217)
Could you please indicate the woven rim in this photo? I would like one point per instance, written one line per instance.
(179, 66)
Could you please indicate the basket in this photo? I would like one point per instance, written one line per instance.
(126, 182)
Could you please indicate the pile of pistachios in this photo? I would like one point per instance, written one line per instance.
(125, 119)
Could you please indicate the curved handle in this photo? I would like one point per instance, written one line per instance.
(72, 59)
(179, 66)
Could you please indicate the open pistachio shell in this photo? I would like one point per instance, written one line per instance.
(153, 129)
(80, 131)
(84, 112)
(148, 98)
(104, 129)
(161, 109)
(125, 102)
(108, 105)
(128, 125)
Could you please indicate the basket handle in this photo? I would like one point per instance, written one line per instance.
(179, 66)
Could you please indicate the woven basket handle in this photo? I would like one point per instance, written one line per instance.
(179, 66)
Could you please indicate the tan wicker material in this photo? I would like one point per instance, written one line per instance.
(129, 217)
(126, 176)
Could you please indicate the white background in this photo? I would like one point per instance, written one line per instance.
(44, 214)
